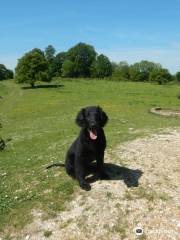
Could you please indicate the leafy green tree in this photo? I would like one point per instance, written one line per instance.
(9, 74)
(160, 76)
(2, 72)
(147, 66)
(49, 53)
(55, 68)
(5, 73)
(101, 67)
(178, 76)
(135, 75)
(82, 55)
(114, 66)
(141, 71)
(50, 56)
(32, 67)
(121, 71)
(68, 69)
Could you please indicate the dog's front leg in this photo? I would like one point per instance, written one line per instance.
(80, 173)
(100, 166)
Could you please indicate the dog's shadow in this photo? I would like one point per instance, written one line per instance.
(116, 172)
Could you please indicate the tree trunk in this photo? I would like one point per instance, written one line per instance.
(32, 85)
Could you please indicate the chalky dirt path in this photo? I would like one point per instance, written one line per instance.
(143, 192)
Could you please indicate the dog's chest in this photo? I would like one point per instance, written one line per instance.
(92, 151)
(90, 157)
(93, 146)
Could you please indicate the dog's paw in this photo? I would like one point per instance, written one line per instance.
(85, 186)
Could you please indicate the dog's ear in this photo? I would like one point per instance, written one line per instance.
(103, 117)
(80, 119)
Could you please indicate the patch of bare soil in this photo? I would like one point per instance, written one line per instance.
(143, 192)
(165, 112)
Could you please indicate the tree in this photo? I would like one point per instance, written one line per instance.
(68, 69)
(49, 53)
(32, 67)
(82, 55)
(2, 72)
(140, 71)
(160, 76)
(101, 67)
(135, 75)
(114, 66)
(178, 76)
(147, 66)
(121, 71)
(9, 74)
(5, 73)
(55, 68)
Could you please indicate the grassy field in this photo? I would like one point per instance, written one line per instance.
(40, 123)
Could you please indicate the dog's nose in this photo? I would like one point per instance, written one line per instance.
(93, 124)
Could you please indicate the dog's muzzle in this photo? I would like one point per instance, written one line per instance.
(93, 132)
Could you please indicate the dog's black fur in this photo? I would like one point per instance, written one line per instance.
(88, 146)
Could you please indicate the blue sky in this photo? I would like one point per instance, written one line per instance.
(130, 30)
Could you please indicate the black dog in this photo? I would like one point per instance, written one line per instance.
(89, 146)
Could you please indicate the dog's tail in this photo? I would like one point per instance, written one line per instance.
(56, 165)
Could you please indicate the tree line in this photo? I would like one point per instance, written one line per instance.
(5, 73)
(82, 61)
(79, 61)
(144, 71)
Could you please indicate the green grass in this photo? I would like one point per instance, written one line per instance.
(41, 125)
(47, 233)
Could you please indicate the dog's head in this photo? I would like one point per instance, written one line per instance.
(92, 119)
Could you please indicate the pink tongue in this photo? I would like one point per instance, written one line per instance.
(93, 135)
